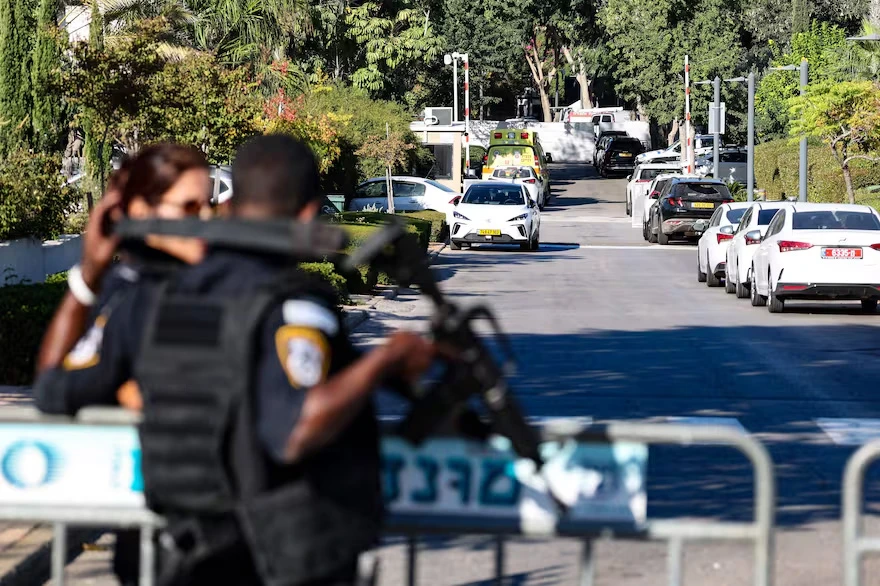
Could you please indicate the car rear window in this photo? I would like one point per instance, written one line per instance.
(734, 216)
(491, 195)
(629, 145)
(766, 216)
(514, 172)
(511, 156)
(439, 186)
(652, 173)
(701, 190)
(834, 220)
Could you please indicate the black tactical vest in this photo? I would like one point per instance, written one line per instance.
(201, 456)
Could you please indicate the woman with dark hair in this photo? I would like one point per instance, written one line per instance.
(163, 181)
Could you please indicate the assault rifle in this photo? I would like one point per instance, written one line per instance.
(474, 373)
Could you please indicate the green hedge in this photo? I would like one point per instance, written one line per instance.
(360, 226)
(25, 312)
(776, 171)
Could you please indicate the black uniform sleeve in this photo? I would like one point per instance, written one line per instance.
(296, 352)
(100, 362)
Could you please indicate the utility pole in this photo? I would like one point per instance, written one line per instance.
(716, 136)
(750, 168)
(802, 195)
(687, 148)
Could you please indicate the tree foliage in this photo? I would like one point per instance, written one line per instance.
(34, 198)
(17, 28)
(48, 113)
(845, 116)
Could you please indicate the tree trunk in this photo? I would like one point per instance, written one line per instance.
(673, 134)
(541, 81)
(545, 104)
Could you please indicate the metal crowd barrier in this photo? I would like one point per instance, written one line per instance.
(86, 472)
(855, 543)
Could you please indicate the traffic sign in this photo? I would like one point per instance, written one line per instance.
(712, 120)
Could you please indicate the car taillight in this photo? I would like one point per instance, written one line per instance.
(642, 180)
(497, 135)
(789, 245)
(727, 201)
(875, 246)
(722, 237)
(674, 202)
(524, 135)
(530, 181)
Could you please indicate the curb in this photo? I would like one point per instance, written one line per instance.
(35, 567)
(356, 317)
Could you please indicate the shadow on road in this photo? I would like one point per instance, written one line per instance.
(776, 389)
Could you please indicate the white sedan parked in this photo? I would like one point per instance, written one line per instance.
(712, 247)
(819, 252)
(746, 239)
(411, 194)
(495, 212)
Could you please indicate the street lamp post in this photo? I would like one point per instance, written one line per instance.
(750, 148)
(802, 174)
(453, 59)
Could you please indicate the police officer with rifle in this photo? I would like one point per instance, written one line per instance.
(259, 439)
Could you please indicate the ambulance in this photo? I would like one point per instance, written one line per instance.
(517, 147)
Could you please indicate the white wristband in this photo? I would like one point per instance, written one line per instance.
(78, 287)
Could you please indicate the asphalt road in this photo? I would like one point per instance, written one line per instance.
(610, 327)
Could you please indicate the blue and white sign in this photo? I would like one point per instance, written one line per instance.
(454, 481)
(70, 465)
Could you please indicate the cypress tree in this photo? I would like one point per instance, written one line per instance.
(47, 111)
(9, 66)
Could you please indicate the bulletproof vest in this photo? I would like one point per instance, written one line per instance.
(196, 369)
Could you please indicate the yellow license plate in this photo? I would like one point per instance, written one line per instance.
(700, 204)
(489, 232)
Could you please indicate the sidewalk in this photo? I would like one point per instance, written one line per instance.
(25, 549)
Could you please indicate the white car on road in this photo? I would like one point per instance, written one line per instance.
(702, 145)
(525, 176)
(746, 239)
(495, 212)
(411, 194)
(653, 194)
(712, 247)
(819, 252)
(639, 182)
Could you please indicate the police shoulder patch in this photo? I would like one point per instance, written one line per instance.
(304, 354)
(87, 352)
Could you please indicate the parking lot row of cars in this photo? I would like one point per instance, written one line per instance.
(767, 251)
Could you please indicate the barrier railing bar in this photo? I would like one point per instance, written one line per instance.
(669, 529)
(412, 545)
(148, 556)
(854, 545)
(59, 553)
(499, 560)
(588, 568)
(765, 487)
(675, 560)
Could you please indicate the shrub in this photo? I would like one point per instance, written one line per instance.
(25, 312)
(376, 219)
(438, 223)
(326, 271)
(34, 198)
(776, 171)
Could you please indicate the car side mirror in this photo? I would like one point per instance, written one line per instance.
(655, 195)
(549, 157)
(629, 177)
(456, 200)
(700, 226)
(754, 235)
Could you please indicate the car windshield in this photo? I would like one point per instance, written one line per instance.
(492, 195)
(701, 190)
(766, 216)
(734, 216)
(834, 220)
(439, 186)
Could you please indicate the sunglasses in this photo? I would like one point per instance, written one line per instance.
(192, 207)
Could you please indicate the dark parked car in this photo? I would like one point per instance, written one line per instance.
(619, 157)
(683, 201)
(602, 143)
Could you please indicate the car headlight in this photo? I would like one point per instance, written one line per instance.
(518, 218)
(460, 216)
